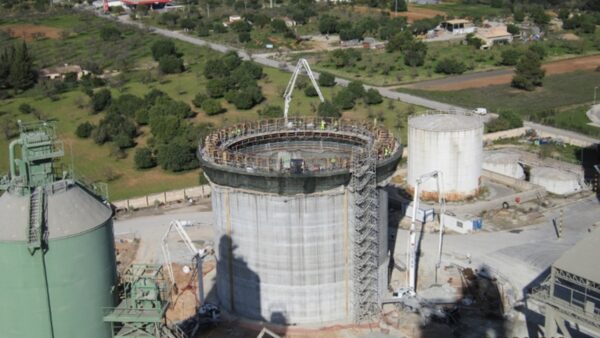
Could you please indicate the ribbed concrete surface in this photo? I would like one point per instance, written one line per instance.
(284, 258)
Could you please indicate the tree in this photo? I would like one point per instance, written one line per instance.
(162, 48)
(398, 6)
(144, 159)
(127, 104)
(212, 107)
(450, 66)
(328, 24)
(513, 29)
(278, 26)
(357, 89)
(123, 141)
(187, 24)
(400, 41)
(241, 26)
(170, 64)
(101, 100)
(519, 15)
(345, 99)
(216, 88)
(21, 75)
(539, 49)
(84, 130)
(244, 37)
(528, 72)
(474, 41)
(373, 97)
(326, 80)
(414, 56)
(328, 109)
(510, 57)
(177, 156)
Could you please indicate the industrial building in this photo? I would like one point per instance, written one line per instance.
(571, 294)
(450, 143)
(56, 246)
(300, 220)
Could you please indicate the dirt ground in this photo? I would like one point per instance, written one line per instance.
(411, 15)
(183, 302)
(32, 32)
(484, 79)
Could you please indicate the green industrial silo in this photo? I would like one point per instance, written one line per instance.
(57, 257)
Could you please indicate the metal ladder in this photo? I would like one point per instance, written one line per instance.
(36, 211)
(365, 237)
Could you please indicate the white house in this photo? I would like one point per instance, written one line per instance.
(458, 26)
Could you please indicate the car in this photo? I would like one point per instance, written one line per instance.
(480, 111)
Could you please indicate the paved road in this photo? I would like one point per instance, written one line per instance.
(386, 92)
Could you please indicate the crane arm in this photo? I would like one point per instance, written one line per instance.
(289, 90)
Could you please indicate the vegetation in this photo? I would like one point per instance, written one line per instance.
(16, 67)
(528, 72)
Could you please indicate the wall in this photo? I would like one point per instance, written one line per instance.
(163, 198)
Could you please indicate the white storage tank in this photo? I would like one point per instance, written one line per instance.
(556, 181)
(450, 143)
(503, 163)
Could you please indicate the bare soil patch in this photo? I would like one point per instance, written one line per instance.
(413, 13)
(552, 68)
(29, 32)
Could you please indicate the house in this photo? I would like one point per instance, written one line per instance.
(61, 72)
(371, 43)
(232, 19)
(458, 26)
(462, 223)
(494, 34)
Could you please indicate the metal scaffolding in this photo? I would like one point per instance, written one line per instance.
(366, 234)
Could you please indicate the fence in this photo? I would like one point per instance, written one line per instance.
(165, 197)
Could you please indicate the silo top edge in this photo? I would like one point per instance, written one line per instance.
(445, 122)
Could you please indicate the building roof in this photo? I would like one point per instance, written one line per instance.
(582, 259)
(493, 32)
(457, 21)
(61, 70)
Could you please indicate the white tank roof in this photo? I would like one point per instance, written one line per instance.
(554, 174)
(500, 157)
(445, 122)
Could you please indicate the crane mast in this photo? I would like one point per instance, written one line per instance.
(287, 96)
(412, 244)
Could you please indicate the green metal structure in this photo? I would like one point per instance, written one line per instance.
(141, 313)
(56, 245)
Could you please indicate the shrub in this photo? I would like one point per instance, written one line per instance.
(357, 89)
(216, 88)
(513, 29)
(528, 72)
(328, 109)
(474, 41)
(450, 66)
(144, 159)
(310, 91)
(326, 80)
(84, 130)
(271, 112)
(212, 107)
(123, 141)
(414, 56)
(25, 108)
(108, 33)
(198, 99)
(539, 49)
(345, 99)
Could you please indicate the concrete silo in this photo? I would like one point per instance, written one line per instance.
(450, 143)
(301, 223)
(56, 246)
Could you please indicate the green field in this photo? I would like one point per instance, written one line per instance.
(562, 101)
(96, 163)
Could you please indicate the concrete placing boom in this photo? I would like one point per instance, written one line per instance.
(197, 255)
(412, 244)
(287, 96)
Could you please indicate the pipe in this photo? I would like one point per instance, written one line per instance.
(11, 157)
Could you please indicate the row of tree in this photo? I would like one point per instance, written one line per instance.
(16, 67)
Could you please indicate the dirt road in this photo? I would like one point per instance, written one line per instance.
(502, 76)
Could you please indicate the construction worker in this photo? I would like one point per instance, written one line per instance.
(386, 152)
(322, 124)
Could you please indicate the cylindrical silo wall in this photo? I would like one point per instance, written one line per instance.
(80, 275)
(456, 153)
(383, 244)
(284, 258)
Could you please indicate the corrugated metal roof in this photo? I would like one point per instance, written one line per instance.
(69, 212)
(445, 122)
(582, 259)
